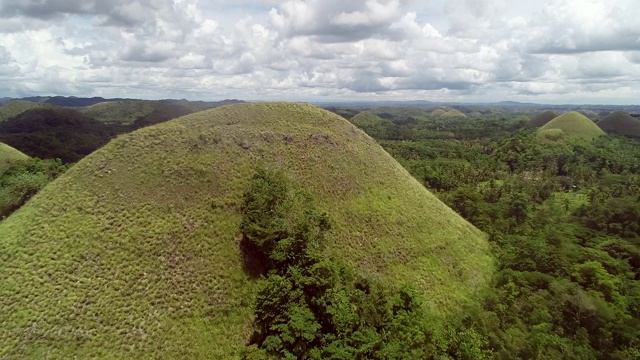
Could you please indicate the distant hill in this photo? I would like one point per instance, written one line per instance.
(9, 155)
(574, 125)
(542, 118)
(372, 124)
(16, 107)
(55, 133)
(622, 123)
(134, 251)
(591, 115)
(438, 112)
(454, 113)
(147, 112)
(120, 112)
(70, 101)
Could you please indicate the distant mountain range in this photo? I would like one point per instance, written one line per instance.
(72, 101)
(508, 106)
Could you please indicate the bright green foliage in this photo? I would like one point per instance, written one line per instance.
(309, 307)
(563, 221)
(24, 179)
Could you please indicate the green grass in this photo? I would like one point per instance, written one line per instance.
(453, 113)
(121, 112)
(9, 155)
(134, 251)
(622, 123)
(574, 125)
(542, 118)
(16, 107)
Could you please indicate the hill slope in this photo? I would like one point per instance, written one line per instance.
(134, 251)
(9, 155)
(120, 112)
(573, 124)
(542, 118)
(16, 107)
(55, 133)
(622, 123)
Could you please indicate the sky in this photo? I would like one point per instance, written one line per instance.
(543, 51)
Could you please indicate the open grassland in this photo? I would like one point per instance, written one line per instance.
(574, 125)
(9, 155)
(134, 251)
(17, 107)
(622, 123)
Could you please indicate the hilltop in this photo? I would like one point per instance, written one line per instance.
(438, 112)
(16, 107)
(571, 124)
(120, 112)
(372, 124)
(622, 123)
(541, 119)
(9, 155)
(134, 251)
(454, 113)
(55, 133)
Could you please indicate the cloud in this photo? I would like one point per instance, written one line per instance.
(303, 49)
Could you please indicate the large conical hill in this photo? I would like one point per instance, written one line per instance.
(134, 251)
(622, 123)
(574, 125)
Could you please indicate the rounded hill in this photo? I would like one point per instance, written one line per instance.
(438, 112)
(574, 125)
(454, 113)
(372, 124)
(542, 118)
(9, 155)
(622, 123)
(134, 251)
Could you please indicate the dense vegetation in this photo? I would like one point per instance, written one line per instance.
(311, 307)
(563, 219)
(55, 133)
(23, 179)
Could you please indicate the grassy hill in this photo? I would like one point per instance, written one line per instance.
(622, 123)
(372, 124)
(574, 125)
(120, 112)
(162, 113)
(9, 155)
(453, 113)
(55, 133)
(16, 107)
(542, 118)
(438, 112)
(133, 252)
